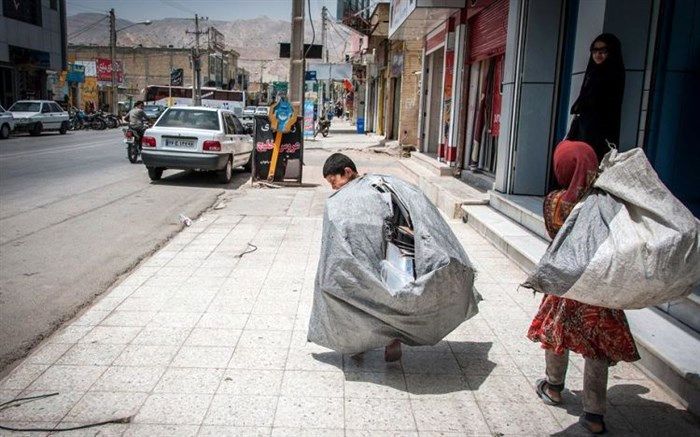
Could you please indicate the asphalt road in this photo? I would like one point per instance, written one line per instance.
(74, 215)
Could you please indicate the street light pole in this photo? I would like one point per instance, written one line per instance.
(296, 71)
(112, 55)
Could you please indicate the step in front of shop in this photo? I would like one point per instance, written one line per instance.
(670, 350)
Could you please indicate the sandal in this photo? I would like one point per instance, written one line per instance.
(541, 389)
(588, 419)
(392, 352)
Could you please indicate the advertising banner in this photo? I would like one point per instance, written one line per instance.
(104, 70)
(308, 118)
(291, 152)
(90, 67)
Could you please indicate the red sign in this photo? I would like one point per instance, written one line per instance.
(104, 70)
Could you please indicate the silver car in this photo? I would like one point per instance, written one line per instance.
(37, 116)
(197, 138)
(7, 123)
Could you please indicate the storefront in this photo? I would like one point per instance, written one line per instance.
(487, 28)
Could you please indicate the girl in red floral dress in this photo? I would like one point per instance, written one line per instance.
(601, 335)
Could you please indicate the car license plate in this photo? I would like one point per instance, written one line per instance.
(129, 140)
(176, 143)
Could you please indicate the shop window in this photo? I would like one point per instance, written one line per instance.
(28, 11)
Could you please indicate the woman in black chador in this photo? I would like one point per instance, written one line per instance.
(599, 104)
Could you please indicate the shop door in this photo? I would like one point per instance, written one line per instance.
(396, 106)
(433, 103)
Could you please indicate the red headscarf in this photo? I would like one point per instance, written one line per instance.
(575, 164)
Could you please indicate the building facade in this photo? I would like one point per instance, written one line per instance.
(32, 46)
(142, 66)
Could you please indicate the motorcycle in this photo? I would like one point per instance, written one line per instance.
(111, 120)
(323, 127)
(132, 139)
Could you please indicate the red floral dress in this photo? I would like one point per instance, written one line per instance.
(560, 324)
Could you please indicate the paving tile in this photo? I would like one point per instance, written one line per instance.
(501, 388)
(656, 418)
(637, 392)
(307, 432)
(111, 334)
(144, 430)
(449, 415)
(222, 320)
(140, 355)
(241, 410)
(309, 384)
(382, 433)
(267, 322)
(380, 385)
(494, 364)
(521, 418)
(189, 380)
(257, 358)
(162, 336)
(379, 414)
(213, 337)
(429, 362)
(272, 306)
(48, 353)
(101, 406)
(202, 356)
(446, 386)
(310, 359)
(91, 354)
(70, 334)
(569, 412)
(128, 318)
(91, 318)
(251, 382)
(128, 379)
(175, 319)
(73, 378)
(107, 430)
(41, 410)
(174, 408)
(233, 431)
(309, 412)
(370, 361)
(265, 339)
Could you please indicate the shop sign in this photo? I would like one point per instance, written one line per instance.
(90, 67)
(76, 73)
(399, 12)
(308, 118)
(104, 70)
(176, 77)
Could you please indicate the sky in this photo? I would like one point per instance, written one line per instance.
(226, 10)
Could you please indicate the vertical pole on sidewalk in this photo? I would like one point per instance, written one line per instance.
(112, 55)
(296, 70)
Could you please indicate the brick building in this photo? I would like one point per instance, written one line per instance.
(144, 66)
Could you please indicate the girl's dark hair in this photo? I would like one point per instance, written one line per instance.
(614, 60)
(336, 164)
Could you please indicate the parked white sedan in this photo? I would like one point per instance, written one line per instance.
(37, 116)
(197, 138)
(7, 123)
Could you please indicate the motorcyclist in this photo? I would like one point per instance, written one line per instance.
(137, 119)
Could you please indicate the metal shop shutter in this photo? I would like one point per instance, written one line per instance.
(487, 32)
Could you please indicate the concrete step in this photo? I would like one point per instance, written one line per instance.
(447, 193)
(670, 350)
(531, 220)
(431, 164)
(519, 244)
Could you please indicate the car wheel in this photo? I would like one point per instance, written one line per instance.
(64, 128)
(155, 173)
(248, 167)
(36, 129)
(5, 131)
(226, 173)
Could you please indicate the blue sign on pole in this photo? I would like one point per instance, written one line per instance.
(76, 73)
(310, 75)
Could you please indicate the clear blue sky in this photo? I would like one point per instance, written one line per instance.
(226, 10)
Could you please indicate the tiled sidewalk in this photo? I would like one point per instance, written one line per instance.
(200, 340)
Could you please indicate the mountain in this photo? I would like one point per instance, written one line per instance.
(254, 39)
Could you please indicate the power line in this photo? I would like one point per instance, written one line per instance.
(85, 8)
(178, 6)
(87, 27)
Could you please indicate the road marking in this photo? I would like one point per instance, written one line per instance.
(52, 151)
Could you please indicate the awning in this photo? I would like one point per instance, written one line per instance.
(413, 19)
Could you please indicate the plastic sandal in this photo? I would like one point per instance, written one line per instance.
(541, 389)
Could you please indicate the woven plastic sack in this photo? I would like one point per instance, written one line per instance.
(353, 309)
(629, 244)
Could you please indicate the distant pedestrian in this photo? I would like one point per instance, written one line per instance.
(601, 335)
(597, 109)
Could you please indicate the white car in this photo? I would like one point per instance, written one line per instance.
(261, 110)
(7, 123)
(37, 116)
(197, 138)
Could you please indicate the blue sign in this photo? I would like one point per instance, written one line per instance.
(76, 73)
(310, 75)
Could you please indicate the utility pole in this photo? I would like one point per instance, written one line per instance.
(296, 70)
(324, 44)
(112, 55)
(196, 65)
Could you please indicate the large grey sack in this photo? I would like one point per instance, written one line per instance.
(629, 244)
(353, 311)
